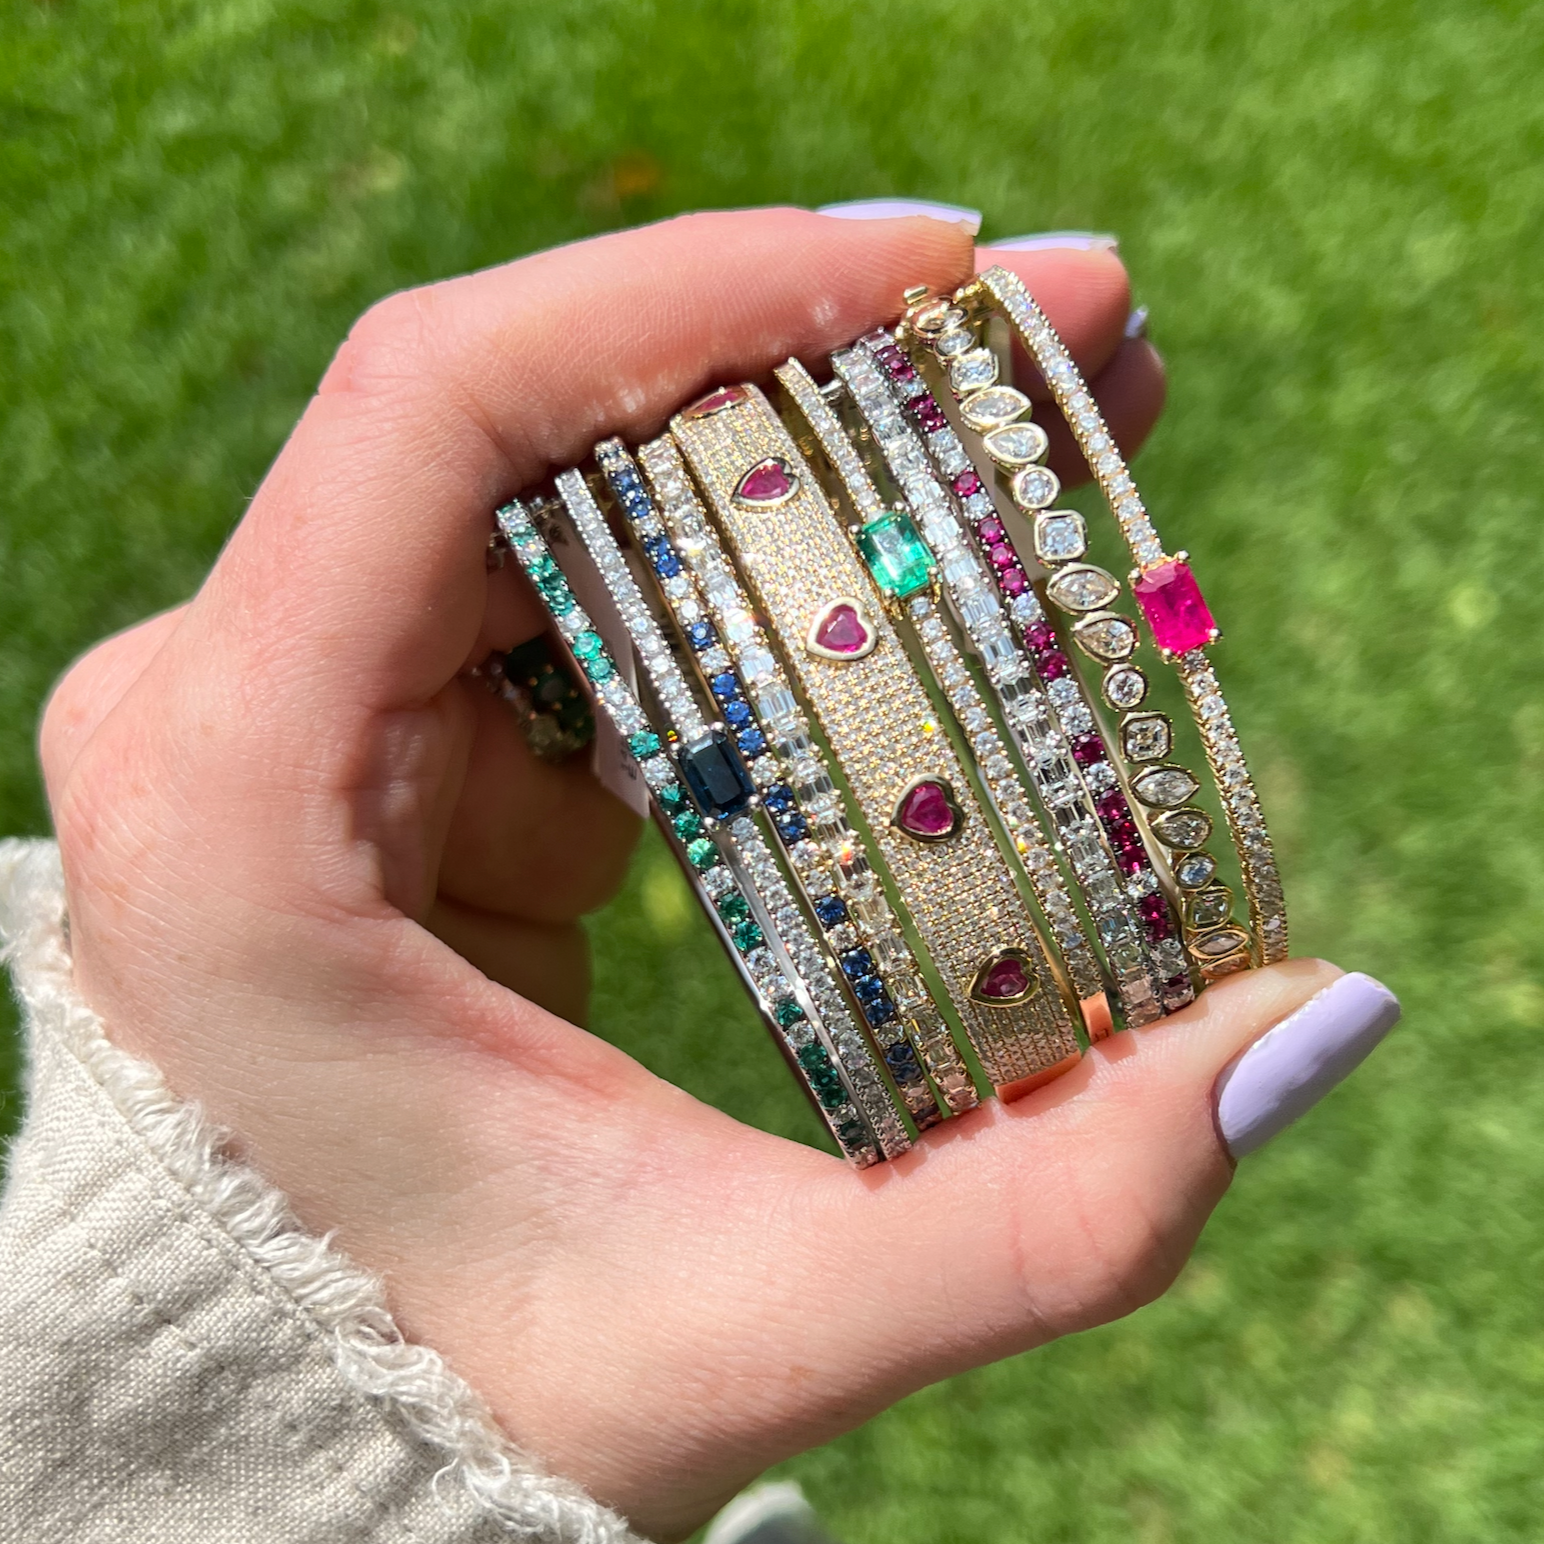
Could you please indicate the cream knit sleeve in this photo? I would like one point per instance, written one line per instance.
(178, 1360)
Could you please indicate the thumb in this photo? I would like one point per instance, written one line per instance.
(1081, 1202)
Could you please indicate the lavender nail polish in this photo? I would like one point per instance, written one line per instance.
(1054, 241)
(899, 208)
(1292, 1066)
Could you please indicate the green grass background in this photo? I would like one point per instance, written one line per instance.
(1334, 212)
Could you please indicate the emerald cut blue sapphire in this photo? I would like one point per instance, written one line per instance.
(716, 776)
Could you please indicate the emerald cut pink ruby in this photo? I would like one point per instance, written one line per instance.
(927, 811)
(1175, 609)
(842, 631)
(1005, 978)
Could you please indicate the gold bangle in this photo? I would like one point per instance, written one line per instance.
(880, 723)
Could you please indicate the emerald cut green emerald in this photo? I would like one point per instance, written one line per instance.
(702, 855)
(895, 553)
(688, 824)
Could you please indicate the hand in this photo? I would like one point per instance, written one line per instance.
(317, 878)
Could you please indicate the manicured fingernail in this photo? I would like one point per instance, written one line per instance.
(1291, 1067)
(1050, 241)
(899, 208)
(1136, 323)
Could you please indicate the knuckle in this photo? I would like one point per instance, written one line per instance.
(390, 346)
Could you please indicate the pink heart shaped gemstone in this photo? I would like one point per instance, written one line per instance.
(1006, 977)
(768, 482)
(927, 811)
(842, 631)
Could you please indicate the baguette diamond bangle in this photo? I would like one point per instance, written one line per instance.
(805, 809)
(1181, 627)
(740, 912)
(998, 775)
(879, 723)
(703, 746)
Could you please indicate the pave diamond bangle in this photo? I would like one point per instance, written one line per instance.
(1042, 701)
(738, 893)
(705, 756)
(824, 852)
(878, 721)
(1181, 627)
(887, 530)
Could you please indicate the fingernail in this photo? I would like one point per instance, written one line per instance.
(1292, 1066)
(1050, 241)
(1136, 323)
(899, 208)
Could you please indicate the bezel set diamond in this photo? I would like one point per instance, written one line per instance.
(872, 648)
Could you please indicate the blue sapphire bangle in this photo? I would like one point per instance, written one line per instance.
(725, 793)
(824, 849)
(739, 916)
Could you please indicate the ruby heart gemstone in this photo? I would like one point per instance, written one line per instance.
(842, 631)
(928, 811)
(1005, 978)
(768, 482)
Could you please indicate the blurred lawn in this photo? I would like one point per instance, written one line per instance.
(1334, 211)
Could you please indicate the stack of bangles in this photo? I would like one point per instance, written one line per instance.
(892, 720)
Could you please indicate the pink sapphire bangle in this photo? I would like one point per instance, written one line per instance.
(1181, 627)
(727, 885)
(825, 853)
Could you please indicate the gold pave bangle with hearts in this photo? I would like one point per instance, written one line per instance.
(1180, 625)
(882, 728)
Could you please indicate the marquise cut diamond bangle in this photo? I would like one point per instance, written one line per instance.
(1052, 723)
(1181, 627)
(879, 722)
(1085, 593)
(824, 852)
(707, 759)
(739, 908)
